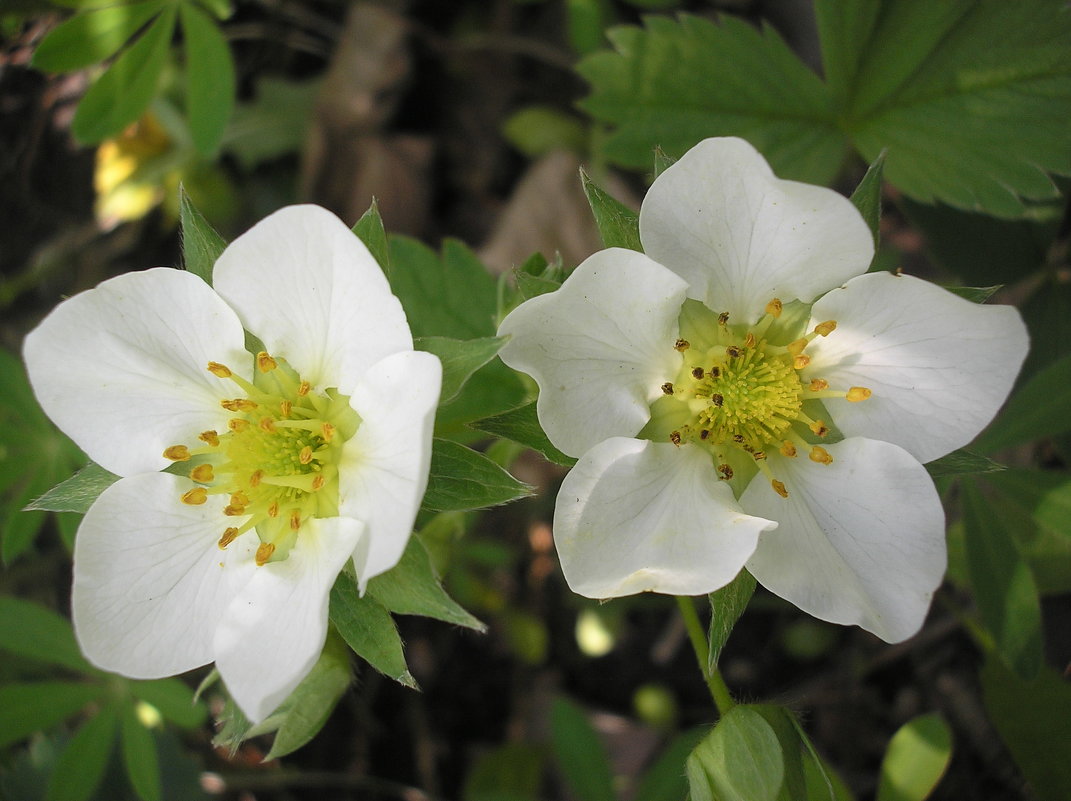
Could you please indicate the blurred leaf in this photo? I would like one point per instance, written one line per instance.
(123, 92)
(867, 197)
(78, 492)
(726, 607)
(220, 8)
(369, 229)
(460, 359)
(274, 124)
(619, 226)
(740, 760)
(538, 130)
(412, 588)
(741, 82)
(579, 753)
(585, 21)
(210, 82)
(1034, 720)
(139, 756)
(1003, 585)
(521, 425)
(462, 479)
(975, 294)
(510, 772)
(527, 636)
(664, 780)
(369, 630)
(916, 759)
(962, 462)
(201, 245)
(173, 699)
(30, 630)
(36, 706)
(81, 766)
(1048, 319)
(232, 726)
(1040, 408)
(92, 36)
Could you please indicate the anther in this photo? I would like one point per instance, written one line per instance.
(228, 537)
(233, 511)
(717, 399)
(788, 449)
(697, 373)
(749, 340)
(264, 552)
(796, 347)
(202, 473)
(774, 307)
(723, 318)
(219, 370)
(265, 363)
(305, 456)
(733, 352)
(704, 434)
(818, 384)
(682, 345)
(286, 407)
(318, 483)
(675, 437)
(177, 453)
(819, 428)
(237, 424)
(254, 478)
(240, 499)
(759, 456)
(856, 394)
(714, 372)
(667, 388)
(210, 437)
(266, 424)
(273, 510)
(801, 361)
(303, 388)
(327, 431)
(195, 497)
(238, 405)
(826, 328)
(726, 471)
(295, 519)
(820, 455)
(779, 488)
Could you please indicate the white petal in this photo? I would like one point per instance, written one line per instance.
(600, 347)
(308, 287)
(384, 468)
(636, 516)
(273, 631)
(860, 541)
(122, 368)
(939, 366)
(740, 236)
(150, 582)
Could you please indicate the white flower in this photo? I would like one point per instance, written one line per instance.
(744, 394)
(289, 462)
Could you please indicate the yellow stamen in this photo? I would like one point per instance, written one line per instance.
(295, 519)
(210, 437)
(667, 388)
(219, 370)
(238, 405)
(726, 471)
(265, 363)
(303, 388)
(264, 552)
(779, 488)
(202, 473)
(856, 394)
(286, 407)
(796, 347)
(819, 428)
(239, 499)
(267, 424)
(273, 510)
(697, 373)
(675, 437)
(749, 340)
(681, 345)
(237, 424)
(177, 453)
(818, 384)
(195, 497)
(328, 431)
(318, 483)
(826, 328)
(775, 307)
(788, 449)
(228, 537)
(234, 511)
(820, 455)
(254, 478)
(305, 456)
(800, 361)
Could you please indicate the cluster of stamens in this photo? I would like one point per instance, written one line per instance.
(745, 395)
(277, 460)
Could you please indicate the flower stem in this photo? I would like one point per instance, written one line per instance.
(719, 691)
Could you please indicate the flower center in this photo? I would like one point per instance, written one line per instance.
(278, 459)
(741, 396)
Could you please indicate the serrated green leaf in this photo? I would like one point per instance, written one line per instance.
(915, 760)
(30, 707)
(77, 493)
(1041, 408)
(531, 286)
(461, 479)
(1003, 585)
(741, 81)
(962, 462)
(619, 226)
(173, 699)
(81, 765)
(139, 756)
(92, 36)
(33, 631)
(664, 780)
(867, 197)
(975, 294)
(726, 607)
(210, 81)
(521, 425)
(740, 760)
(412, 587)
(460, 359)
(580, 754)
(123, 92)
(369, 229)
(369, 630)
(201, 245)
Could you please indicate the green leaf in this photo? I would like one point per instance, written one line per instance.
(1040, 408)
(460, 359)
(726, 607)
(80, 767)
(1034, 720)
(975, 294)
(273, 124)
(580, 754)
(619, 226)
(521, 425)
(37, 706)
(369, 229)
(962, 462)
(511, 772)
(1004, 587)
(740, 82)
(369, 630)
(740, 760)
(531, 286)
(139, 756)
(173, 699)
(92, 36)
(915, 760)
(664, 780)
(948, 89)
(201, 245)
(77, 493)
(122, 93)
(867, 197)
(412, 587)
(33, 631)
(210, 82)
(538, 130)
(463, 479)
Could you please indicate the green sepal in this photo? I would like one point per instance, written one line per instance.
(726, 607)
(461, 479)
(77, 493)
(460, 358)
(369, 229)
(521, 425)
(975, 294)
(368, 629)
(201, 244)
(867, 197)
(619, 226)
(962, 462)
